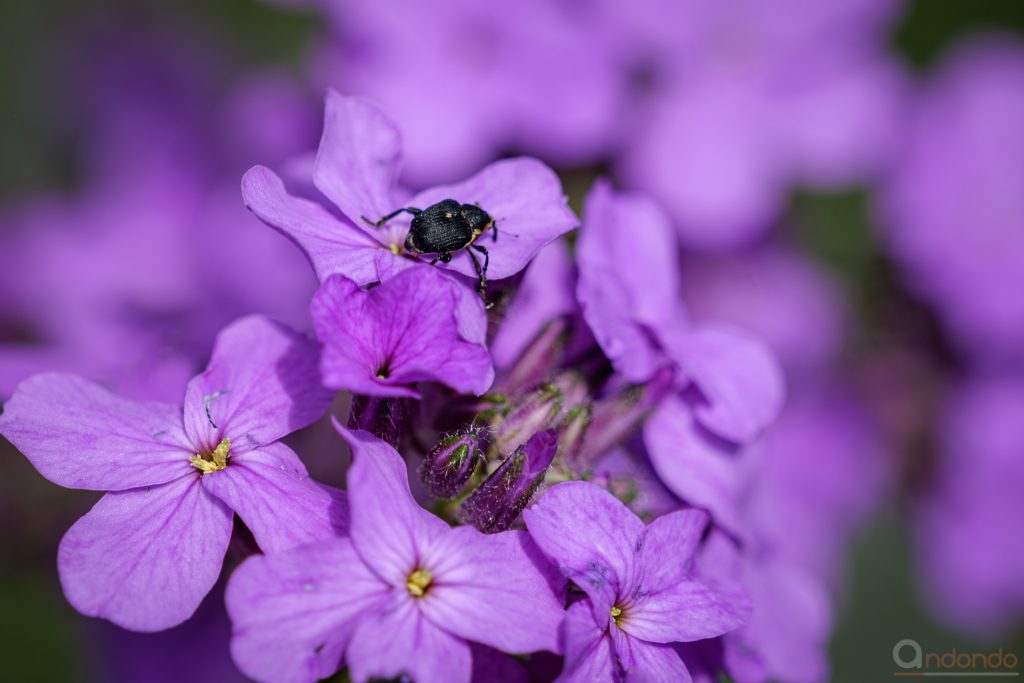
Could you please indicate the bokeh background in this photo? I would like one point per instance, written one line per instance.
(874, 235)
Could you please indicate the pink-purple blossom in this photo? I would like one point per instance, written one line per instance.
(642, 594)
(403, 594)
(151, 548)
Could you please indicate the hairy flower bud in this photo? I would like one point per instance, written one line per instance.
(448, 467)
(617, 417)
(546, 407)
(539, 359)
(495, 505)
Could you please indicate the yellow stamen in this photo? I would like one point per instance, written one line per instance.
(616, 613)
(215, 461)
(395, 248)
(418, 582)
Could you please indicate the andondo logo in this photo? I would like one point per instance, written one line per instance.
(913, 660)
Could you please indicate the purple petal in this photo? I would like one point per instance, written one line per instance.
(787, 636)
(407, 330)
(692, 464)
(629, 278)
(493, 589)
(293, 613)
(669, 543)
(644, 662)
(357, 163)
(399, 639)
(525, 199)
(589, 534)
(144, 559)
(737, 375)
(332, 245)
(588, 648)
(262, 383)
(271, 491)
(389, 529)
(79, 435)
(685, 611)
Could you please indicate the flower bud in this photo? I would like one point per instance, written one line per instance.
(572, 432)
(617, 417)
(448, 467)
(495, 505)
(539, 359)
(545, 407)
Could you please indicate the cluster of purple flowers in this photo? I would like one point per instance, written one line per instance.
(368, 578)
(640, 453)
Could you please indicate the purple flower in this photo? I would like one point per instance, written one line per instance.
(967, 528)
(528, 75)
(149, 550)
(786, 636)
(355, 177)
(730, 386)
(962, 167)
(404, 594)
(127, 280)
(827, 103)
(823, 472)
(642, 595)
(777, 294)
(409, 329)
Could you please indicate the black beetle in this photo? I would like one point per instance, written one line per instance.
(444, 228)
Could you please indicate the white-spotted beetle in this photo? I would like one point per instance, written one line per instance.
(443, 229)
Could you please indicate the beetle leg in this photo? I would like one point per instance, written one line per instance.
(385, 219)
(482, 272)
(494, 227)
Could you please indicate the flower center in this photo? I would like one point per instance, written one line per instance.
(418, 583)
(212, 461)
(616, 614)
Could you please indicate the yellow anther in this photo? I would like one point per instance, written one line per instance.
(616, 613)
(214, 461)
(418, 582)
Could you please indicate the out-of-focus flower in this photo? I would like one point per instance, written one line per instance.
(787, 634)
(128, 278)
(405, 594)
(971, 551)
(642, 594)
(149, 550)
(197, 650)
(753, 97)
(954, 208)
(356, 170)
(466, 81)
(790, 303)
(382, 341)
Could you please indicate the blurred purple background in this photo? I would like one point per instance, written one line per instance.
(846, 178)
